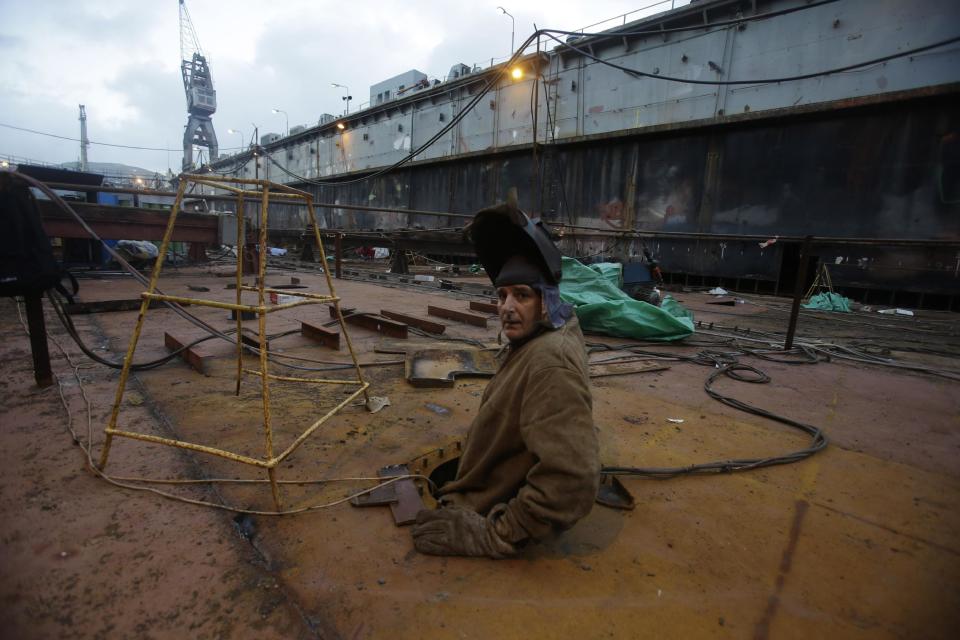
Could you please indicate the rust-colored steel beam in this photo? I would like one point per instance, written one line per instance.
(195, 356)
(250, 338)
(326, 337)
(131, 223)
(459, 316)
(421, 323)
(376, 323)
(485, 307)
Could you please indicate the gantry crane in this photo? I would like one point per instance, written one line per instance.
(201, 98)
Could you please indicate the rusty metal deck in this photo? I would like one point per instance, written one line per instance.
(859, 541)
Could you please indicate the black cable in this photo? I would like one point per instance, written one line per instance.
(805, 76)
(494, 78)
(735, 371)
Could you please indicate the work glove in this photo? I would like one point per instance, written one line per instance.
(454, 531)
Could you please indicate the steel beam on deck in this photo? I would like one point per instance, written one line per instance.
(195, 356)
(484, 307)
(459, 316)
(127, 223)
(421, 323)
(327, 337)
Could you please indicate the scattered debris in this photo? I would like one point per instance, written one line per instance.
(376, 403)
(437, 409)
(601, 370)
(718, 291)
(675, 420)
(195, 287)
(898, 311)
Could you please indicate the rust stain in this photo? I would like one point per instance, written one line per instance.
(762, 630)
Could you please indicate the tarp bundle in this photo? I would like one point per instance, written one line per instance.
(829, 301)
(611, 271)
(603, 308)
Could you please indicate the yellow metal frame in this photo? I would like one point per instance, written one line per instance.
(260, 189)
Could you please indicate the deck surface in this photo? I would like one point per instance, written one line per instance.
(860, 541)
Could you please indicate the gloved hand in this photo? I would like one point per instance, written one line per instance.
(454, 531)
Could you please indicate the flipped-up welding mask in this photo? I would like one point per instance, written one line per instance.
(515, 250)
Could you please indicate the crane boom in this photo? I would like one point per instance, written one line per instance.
(198, 87)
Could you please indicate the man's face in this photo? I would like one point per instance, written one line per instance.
(519, 309)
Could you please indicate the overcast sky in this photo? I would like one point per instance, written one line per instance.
(121, 58)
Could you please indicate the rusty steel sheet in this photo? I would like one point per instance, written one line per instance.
(421, 323)
(440, 367)
(459, 316)
(196, 356)
(408, 501)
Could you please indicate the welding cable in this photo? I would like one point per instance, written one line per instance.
(137, 484)
(493, 80)
(214, 332)
(742, 373)
(804, 76)
(71, 330)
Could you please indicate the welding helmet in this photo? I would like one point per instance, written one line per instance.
(504, 231)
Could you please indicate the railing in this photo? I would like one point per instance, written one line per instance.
(622, 18)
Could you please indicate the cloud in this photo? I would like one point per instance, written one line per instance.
(122, 60)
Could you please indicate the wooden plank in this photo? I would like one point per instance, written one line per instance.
(421, 323)
(485, 307)
(459, 316)
(195, 356)
(326, 337)
(376, 323)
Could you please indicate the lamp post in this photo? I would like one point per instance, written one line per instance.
(513, 25)
(241, 137)
(286, 118)
(347, 97)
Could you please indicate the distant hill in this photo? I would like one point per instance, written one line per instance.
(114, 169)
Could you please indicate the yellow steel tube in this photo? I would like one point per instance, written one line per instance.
(273, 376)
(128, 359)
(189, 445)
(201, 302)
(293, 292)
(336, 304)
(306, 434)
(240, 240)
(264, 362)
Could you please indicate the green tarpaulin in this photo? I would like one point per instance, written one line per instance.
(611, 271)
(603, 308)
(828, 301)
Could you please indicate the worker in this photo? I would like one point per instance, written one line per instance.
(530, 464)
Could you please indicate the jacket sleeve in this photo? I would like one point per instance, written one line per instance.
(556, 424)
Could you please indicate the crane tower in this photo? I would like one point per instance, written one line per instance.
(201, 97)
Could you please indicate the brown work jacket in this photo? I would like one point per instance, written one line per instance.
(533, 446)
